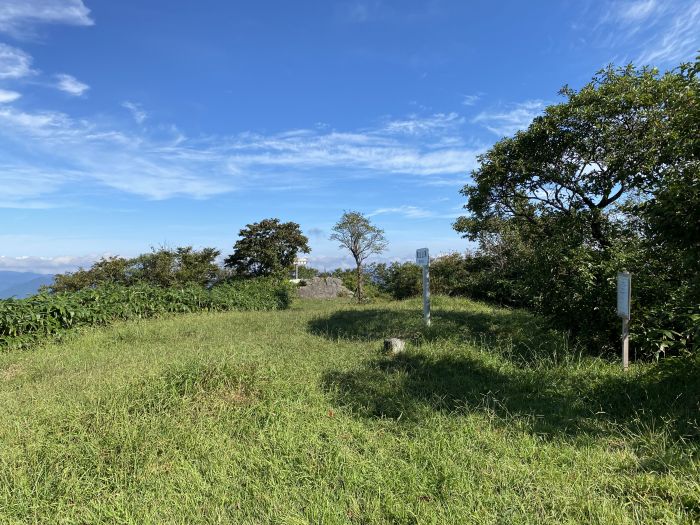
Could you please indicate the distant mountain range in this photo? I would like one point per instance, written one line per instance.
(22, 284)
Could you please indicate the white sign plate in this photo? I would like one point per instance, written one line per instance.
(624, 294)
(422, 257)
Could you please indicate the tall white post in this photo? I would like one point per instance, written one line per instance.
(423, 260)
(426, 294)
(624, 307)
(625, 343)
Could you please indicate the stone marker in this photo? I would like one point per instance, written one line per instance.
(394, 346)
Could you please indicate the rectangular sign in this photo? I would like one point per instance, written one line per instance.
(624, 294)
(422, 257)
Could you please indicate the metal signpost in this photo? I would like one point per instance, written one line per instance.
(299, 261)
(423, 259)
(624, 299)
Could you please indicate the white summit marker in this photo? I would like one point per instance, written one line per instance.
(423, 259)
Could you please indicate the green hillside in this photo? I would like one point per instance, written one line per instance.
(295, 416)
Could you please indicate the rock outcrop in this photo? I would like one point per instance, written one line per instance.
(323, 288)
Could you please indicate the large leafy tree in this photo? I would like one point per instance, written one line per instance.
(361, 238)
(564, 204)
(579, 160)
(268, 247)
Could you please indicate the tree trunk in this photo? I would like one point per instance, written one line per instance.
(597, 231)
(359, 282)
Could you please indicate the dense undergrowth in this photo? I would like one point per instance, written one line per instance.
(26, 321)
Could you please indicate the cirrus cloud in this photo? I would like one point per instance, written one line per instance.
(20, 17)
(8, 96)
(71, 85)
(514, 118)
(14, 63)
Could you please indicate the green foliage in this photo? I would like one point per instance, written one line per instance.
(453, 274)
(164, 267)
(294, 417)
(114, 270)
(606, 181)
(306, 272)
(25, 321)
(400, 280)
(179, 267)
(267, 248)
(362, 239)
(370, 290)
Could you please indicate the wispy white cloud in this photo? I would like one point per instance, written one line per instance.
(506, 122)
(660, 33)
(411, 212)
(368, 150)
(20, 17)
(161, 163)
(55, 152)
(14, 63)
(470, 100)
(8, 96)
(71, 85)
(136, 111)
(678, 41)
(31, 186)
(415, 212)
(419, 125)
(635, 11)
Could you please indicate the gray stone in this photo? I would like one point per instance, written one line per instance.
(323, 288)
(394, 346)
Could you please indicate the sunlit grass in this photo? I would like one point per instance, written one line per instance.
(296, 417)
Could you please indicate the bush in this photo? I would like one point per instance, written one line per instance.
(400, 280)
(370, 289)
(25, 321)
(163, 267)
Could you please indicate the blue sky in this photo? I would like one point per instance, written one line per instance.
(131, 124)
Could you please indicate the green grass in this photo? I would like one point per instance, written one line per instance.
(295, 417)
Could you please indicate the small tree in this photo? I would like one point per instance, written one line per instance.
(268, 247)
(355, 232)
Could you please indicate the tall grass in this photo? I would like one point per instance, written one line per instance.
(25, 321)
(295, 416)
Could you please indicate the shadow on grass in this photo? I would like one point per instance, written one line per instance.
(548, 401)
(526, 382)
(515, 334)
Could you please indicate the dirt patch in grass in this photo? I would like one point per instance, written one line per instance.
(11, 372)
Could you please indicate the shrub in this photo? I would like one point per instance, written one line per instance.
(163, 267)
(370, 289)
(25, 321)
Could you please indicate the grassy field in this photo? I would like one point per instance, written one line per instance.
(296, 417)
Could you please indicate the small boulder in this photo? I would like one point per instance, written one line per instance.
(394, 346)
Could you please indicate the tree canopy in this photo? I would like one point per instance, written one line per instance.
(604, 181)
(268, 247)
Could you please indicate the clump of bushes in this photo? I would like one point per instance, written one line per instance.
(164, 267)
(370, 289)
(453, 274)
(25, 321)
